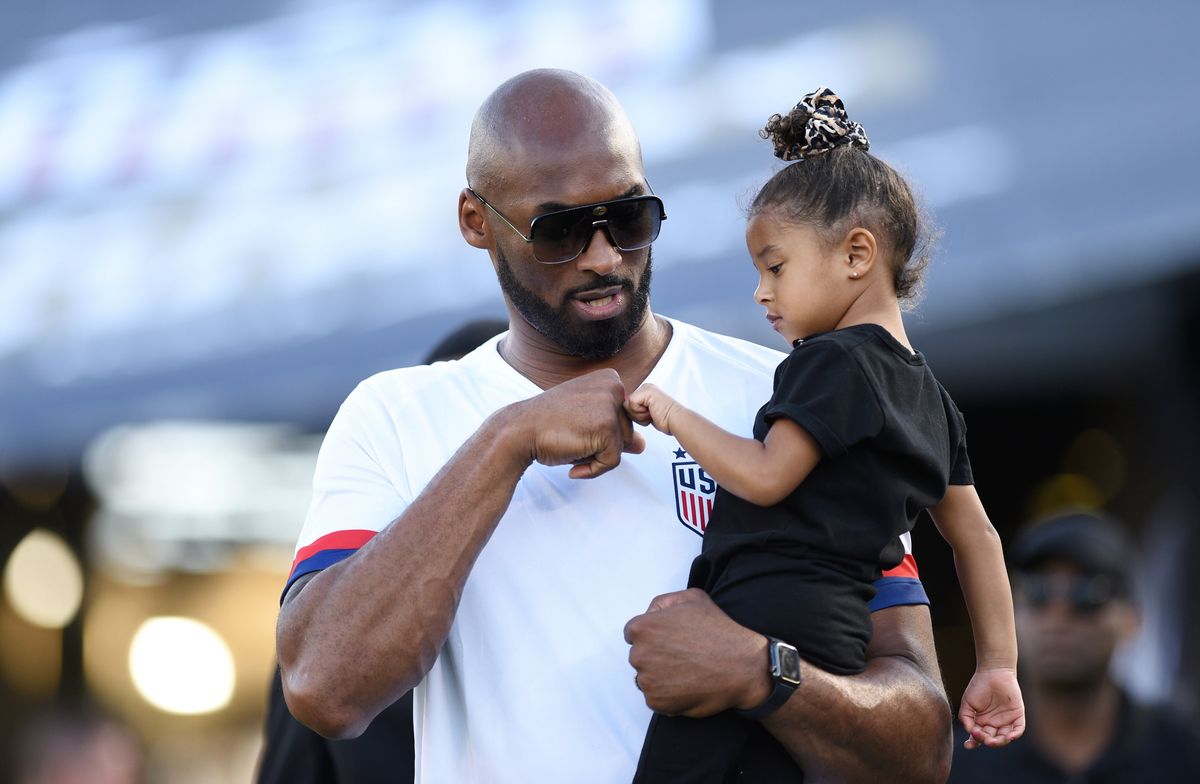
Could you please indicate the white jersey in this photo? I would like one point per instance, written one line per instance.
(533, 683)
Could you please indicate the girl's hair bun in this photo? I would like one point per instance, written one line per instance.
(816, 125)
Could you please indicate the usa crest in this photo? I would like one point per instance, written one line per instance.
(694, 493)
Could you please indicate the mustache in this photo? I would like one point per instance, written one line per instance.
(608, 281)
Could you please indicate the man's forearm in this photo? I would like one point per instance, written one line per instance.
(891, 721)
(368, 628)
(364, 631)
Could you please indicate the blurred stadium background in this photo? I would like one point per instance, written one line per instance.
(216, 218)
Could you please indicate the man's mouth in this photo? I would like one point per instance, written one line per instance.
(600, 303)
(599, 293)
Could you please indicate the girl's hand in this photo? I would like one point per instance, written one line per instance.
(992, 711)
(649, 405)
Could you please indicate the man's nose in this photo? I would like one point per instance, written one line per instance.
(600, 255)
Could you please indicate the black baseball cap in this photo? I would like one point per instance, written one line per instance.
(1094, 543)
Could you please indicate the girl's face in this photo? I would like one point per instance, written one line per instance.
(802, 280)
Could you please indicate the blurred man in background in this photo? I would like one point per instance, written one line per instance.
(294, 754)
(1074, 609)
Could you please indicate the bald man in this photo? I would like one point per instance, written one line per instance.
(491, 531)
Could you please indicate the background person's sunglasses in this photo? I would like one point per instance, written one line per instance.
(1084, 593)
(557, 237)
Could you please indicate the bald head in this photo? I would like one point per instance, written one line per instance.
(541, 117)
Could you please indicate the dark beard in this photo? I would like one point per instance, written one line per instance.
(586, 339)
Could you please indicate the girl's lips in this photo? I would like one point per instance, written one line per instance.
(775, 321)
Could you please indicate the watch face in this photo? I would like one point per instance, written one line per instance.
(787, 663)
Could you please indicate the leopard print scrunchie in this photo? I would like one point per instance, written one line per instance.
(816, 125)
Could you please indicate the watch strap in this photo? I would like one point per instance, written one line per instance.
(779, 695)
(781, 687)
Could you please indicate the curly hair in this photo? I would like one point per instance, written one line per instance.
(835, 181)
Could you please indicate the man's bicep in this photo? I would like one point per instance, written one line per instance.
(905, 632)
(900, 616)
(890, 722)
(293, 590)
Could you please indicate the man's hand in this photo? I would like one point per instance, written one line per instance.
(582, 422)
(891, 721)
(693, 660)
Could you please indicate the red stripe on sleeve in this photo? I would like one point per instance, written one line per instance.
(906, 568)
(338, 540)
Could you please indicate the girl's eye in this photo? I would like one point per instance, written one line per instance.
(774, 269)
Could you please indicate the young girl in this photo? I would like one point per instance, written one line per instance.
(857, 439)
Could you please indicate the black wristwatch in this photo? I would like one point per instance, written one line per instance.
(785, 677)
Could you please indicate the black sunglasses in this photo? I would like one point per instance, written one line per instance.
(1083, 593)
(557, 237)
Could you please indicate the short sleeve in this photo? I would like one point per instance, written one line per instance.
(822, 388)
(901, 584)
(960, 465)
(354, 496)
(960, 462)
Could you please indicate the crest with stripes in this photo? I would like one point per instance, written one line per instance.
(694, 494)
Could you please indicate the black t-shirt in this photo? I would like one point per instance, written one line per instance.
(892, 441)
(294, 754)
(1150, 744)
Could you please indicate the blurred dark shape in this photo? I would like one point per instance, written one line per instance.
(76, 743)
(293, 753)
(465, 339)
(1074, 608)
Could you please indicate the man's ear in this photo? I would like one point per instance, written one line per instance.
(470, 220)
(859, 252)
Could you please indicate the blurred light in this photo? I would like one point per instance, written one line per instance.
(1097, 455)
(30, 656)
(43, 580)
(1064, 491)
(188, 163)
(184, 495)
(181, 666)
(39, 493)
(956, 164)
(869, 64)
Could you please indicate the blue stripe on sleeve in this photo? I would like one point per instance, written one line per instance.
(897, 591)
(315, 563)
